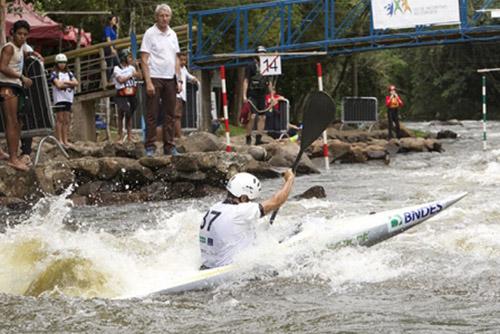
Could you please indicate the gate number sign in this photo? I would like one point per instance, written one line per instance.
(270, 65)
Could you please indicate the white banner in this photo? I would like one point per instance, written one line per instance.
(395, 14)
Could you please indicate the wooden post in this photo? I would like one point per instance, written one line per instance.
(83, 123)
(206, 102)
(3, 9)
(104, 67)
(78, 67)
(237, 100)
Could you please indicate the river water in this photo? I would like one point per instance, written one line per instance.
(68, 270)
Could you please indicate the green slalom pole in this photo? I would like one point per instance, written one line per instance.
(485, 145)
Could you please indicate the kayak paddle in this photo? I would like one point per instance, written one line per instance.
(318, 114)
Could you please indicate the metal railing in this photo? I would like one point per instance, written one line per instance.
(92, 65)
(359, 110)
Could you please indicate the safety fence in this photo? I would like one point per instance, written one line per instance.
(278, 119)
(35, 113)
(35, 108)
(359, 110)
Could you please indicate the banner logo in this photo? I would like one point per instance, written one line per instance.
(397, 6)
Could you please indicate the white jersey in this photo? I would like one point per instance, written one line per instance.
(62, 95)
(226, 230)
(126, 71)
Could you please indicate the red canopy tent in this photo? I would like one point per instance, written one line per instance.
(44, 31)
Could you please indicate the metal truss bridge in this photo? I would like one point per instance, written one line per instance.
(319, 25)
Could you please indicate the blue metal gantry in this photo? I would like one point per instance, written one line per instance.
(294, 26)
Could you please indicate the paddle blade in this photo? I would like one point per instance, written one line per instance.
(318, 114)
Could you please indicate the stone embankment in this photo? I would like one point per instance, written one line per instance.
(104, 173)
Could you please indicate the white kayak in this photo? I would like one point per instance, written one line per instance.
(363, 230)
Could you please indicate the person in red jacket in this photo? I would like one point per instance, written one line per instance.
(393, 103)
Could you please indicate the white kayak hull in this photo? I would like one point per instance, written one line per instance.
(364, 230)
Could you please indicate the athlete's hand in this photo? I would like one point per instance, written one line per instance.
(26, 81)
(289, 175)
(245, 99)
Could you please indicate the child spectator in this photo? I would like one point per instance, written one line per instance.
(124, 76)
(180, 105)
(63, 92)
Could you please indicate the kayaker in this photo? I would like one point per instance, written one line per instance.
(229, 226)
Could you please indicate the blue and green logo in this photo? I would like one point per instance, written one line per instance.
(396, 221)
(398, 6)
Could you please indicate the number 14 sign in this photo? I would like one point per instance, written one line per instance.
(270, 65)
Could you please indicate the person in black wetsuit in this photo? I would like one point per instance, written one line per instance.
(255, 88)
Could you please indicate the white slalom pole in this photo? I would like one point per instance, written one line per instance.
(485, 143)
(224, 105)
(319, 72)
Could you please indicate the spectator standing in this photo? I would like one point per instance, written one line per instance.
(180, 105)
(393, 103)
(161, 69)
(63, 93)
(124, 76)
(111, 34)
(255, 88)
(12, 82)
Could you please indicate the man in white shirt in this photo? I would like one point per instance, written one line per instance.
(229, 226)
(161, 69)
(181, 97)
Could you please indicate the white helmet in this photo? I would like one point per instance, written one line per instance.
(61, 58)
(261, 49)
(244, 184)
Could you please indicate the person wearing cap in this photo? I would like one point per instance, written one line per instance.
(124, 76)
(255, 88)
(228, 227)
(63, 93)
(393, 102)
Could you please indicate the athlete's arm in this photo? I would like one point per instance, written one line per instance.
(281, 196)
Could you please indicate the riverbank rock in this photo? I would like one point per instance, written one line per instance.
(108, 173)
(200, 142)
(313, 192)
(446, 134)
(283, 154)
(450, 122)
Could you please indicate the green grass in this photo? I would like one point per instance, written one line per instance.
(420, 133)
(233, 130)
